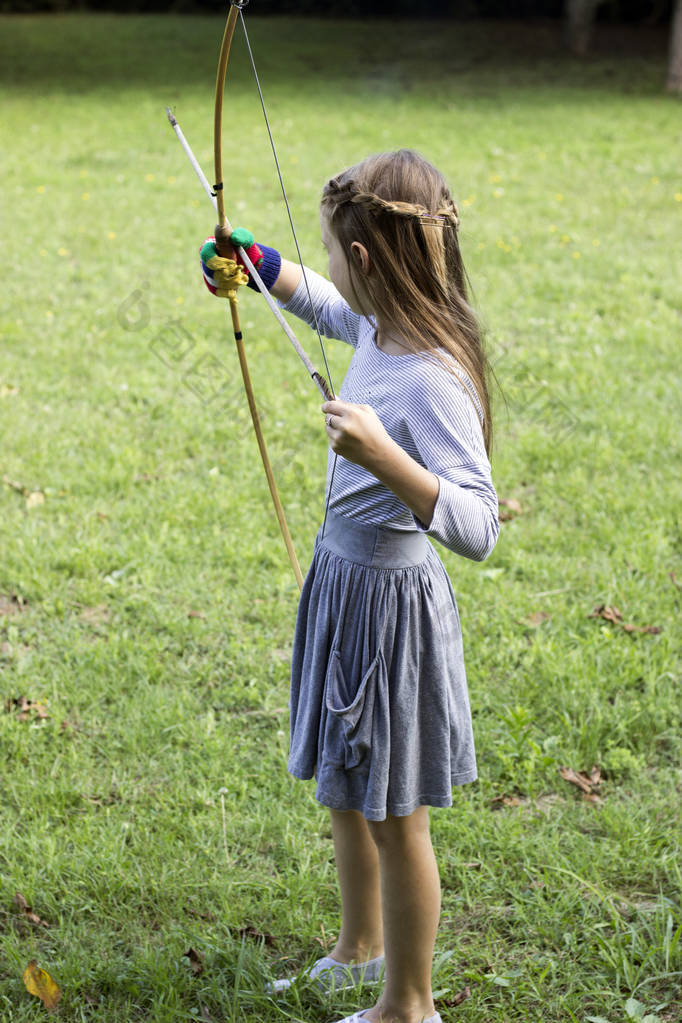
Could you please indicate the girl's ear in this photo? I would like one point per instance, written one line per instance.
(360, 257)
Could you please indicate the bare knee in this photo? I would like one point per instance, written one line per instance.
(349, 824)
(400, 831)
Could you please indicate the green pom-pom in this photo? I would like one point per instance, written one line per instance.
(208, 251)
(242, 236)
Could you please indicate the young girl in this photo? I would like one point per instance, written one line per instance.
(379, 706)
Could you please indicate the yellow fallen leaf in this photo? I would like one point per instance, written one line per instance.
(39, 982)
(34, 499)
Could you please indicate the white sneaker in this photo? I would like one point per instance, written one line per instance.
(330, 975)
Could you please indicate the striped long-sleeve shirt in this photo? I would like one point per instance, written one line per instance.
(432, 414)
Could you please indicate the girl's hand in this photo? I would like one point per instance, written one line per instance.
(357, 433)
(223, 275)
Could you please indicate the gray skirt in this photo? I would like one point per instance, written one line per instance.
(379, 705)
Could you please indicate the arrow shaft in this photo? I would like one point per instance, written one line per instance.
(317, 378)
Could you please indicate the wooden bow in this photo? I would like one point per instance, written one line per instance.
(222, 234)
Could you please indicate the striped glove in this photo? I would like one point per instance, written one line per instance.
(223, 276)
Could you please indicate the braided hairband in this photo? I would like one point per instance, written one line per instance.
(447, 213)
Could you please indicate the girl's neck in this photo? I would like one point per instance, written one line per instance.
(388, 340)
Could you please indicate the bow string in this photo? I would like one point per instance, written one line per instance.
(222, 234)
(224, 247)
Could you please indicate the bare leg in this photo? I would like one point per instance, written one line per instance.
(410, 895)
(357, 863)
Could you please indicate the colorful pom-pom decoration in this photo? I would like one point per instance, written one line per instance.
(207, 252)
(222, 276)
(241, 237)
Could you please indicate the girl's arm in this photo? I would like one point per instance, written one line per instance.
(320, 305)
(411, 483)
(456, 505)
(287, 282)
(356, 432)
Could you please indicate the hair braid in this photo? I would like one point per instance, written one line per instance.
(338, 194)
(399, 207)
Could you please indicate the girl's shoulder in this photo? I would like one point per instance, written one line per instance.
(444, 380)
(429, 379)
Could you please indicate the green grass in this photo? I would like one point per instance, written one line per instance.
(154, 602)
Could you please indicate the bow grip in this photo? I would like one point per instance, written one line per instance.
(223, 244)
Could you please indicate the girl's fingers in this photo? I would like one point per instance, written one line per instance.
(335, 407)
(334, 412)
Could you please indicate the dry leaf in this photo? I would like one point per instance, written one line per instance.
(504, 800)
(575, 778)
(513, 509)
(39, 982)
(252, 932)
(612, 614)
(537, 618)
(196, 614)
(457, 999)
(27, 911)
(11, 604)
(587, 783)
(211, 917)
(196, 961)
(35, 498)
(26, 708)
(674, 581)
(19, 487)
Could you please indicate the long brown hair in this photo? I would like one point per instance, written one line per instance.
(399, 207)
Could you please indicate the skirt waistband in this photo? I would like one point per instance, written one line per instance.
(374, 546)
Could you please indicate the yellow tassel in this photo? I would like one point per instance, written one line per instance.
(227, 276)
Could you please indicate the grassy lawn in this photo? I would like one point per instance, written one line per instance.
(146, 601)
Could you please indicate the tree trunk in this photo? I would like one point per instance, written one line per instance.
(578, 22)
(674, 83)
